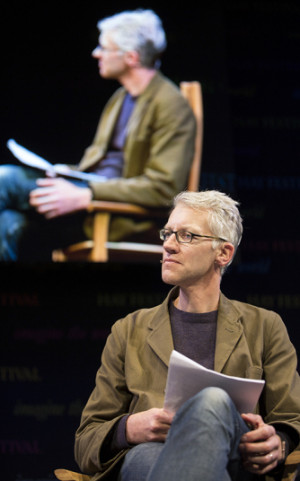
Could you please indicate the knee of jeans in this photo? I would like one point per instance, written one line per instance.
(7, 170)
(211, 399)
(17, 175)
(141, 458)
(213, 395)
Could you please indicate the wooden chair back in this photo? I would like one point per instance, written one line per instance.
(193, 93)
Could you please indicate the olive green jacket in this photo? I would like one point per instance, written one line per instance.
(158, 151)
(251, 343)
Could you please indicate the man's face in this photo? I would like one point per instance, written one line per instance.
(188, 264)
(111, 60)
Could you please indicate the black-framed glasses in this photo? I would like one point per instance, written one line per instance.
(184, 236)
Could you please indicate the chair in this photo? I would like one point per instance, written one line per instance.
(99, 249)
(291, 470)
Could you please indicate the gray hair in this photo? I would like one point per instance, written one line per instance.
(224, 218)
(139, 30)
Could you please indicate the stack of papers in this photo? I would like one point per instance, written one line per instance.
(186, 378)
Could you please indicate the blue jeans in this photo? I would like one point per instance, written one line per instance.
(202, 445)
(24, 234)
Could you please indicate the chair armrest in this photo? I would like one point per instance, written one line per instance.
(293, 458)
(66, 475)
(291, 466)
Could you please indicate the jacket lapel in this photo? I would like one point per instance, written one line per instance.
(104, 132)
(229, 331)
(138, 115)
(160, 335)
(107, 127)
(141, 107)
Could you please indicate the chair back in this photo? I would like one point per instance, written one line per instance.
(193, 93)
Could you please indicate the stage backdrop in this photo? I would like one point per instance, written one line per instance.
(55, 318)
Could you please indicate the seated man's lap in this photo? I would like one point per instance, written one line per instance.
(218, 410)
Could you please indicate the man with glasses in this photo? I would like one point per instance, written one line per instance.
(143, 149)
(126, 434)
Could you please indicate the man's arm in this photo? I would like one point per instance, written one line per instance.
(121, 392)
(271, 439)
(280, 400)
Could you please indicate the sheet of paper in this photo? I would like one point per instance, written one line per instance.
(187, 377)
(33, 160)
(27, 157)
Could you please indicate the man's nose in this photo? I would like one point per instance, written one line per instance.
(171, 242)
(96, 52)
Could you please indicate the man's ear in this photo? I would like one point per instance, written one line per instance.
(132, 58)
(225, 254)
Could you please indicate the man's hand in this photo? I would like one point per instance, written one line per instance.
(260, 448)
(55, 197)
(148, 426)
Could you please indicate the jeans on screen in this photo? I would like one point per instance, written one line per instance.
(25, 234)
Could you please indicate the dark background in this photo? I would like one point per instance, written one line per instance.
(55, 318)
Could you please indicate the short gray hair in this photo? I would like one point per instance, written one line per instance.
(224, 218)
(139, 30)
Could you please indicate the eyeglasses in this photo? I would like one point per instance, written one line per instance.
(184, 236)
(101, 49)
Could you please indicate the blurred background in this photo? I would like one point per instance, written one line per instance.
(54, 317)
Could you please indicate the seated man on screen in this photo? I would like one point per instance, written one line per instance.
(126, 433)
(143, 146)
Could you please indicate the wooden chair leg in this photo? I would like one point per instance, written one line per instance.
(99, 252)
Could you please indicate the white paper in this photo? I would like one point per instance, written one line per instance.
(186, 378)
(27, 157)
(33, 160)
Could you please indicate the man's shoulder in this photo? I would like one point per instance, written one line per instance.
(143, 317)
(247, 310)
(163, 88)
(164, 98)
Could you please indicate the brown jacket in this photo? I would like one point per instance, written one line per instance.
(158, 151)
(159, 146)
(251, 343)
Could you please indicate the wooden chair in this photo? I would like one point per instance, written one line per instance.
(291, 470)
(99, 249)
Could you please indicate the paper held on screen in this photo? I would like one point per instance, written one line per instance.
(186, 378)
(33, 160)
